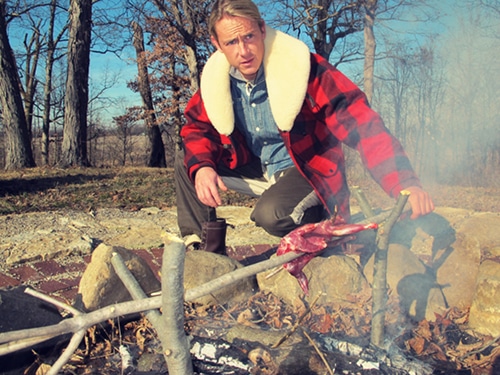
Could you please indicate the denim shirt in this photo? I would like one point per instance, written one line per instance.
(254, 119)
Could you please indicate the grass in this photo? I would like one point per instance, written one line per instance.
(133, 188)
(130, 188)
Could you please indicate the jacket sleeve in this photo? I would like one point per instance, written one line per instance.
(201, 141)
(349, 117)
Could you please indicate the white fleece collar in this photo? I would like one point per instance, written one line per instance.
(286, 68)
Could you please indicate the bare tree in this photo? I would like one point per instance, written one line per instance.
(472, 101)
(32, 46)
(325, 22)
(124, 126)
(395, 76)
(429, 81)
(370, 7)
(18, 147)
(489, 5)
(74, 147)
(51, 57)
(189, 19)
(157, 148)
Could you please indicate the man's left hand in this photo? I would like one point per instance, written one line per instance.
(420, 201)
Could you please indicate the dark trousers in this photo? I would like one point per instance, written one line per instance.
(281, 207)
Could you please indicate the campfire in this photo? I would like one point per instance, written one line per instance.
(262, 335)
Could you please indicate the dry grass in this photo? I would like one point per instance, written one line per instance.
(130, 188)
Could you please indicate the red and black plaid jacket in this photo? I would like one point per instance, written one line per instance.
(335, 111)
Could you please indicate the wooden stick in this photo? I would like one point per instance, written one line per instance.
(130, 307)
(137, 293)
(320, 353)
(87, 320)
(175, 343)
(379, 291)
(294, 328)
(365, 206)
(76, 339)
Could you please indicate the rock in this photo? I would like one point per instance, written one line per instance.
(201, 267)
(485, 309)
(334, 277)
(100, 286)
(419, 294)
(22, 311)
(438, 255)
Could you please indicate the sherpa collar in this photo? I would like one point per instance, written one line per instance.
(286, 68)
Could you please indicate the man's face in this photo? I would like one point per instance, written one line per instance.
(241, 40)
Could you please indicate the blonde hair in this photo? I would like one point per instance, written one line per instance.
(233, 8)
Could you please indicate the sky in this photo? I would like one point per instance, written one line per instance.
(105, 68)
(125, 69)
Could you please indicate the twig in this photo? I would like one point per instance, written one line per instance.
(88, 320)
(175, 343)
(76, 339)
(222, 307)
(294, 328)
(320, 353)
(379, 290)
(365, 206)
(52, 301)
(15, 345)
(130, 307)
(137, 293)
(479, 350)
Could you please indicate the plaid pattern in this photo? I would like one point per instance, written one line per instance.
(335, 111)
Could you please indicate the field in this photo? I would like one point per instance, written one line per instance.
(39, 189)
(132, 188)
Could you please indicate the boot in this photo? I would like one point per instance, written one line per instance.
(213, 236)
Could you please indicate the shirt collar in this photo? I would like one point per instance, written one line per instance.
(235, 73)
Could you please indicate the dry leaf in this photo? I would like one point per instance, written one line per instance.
(424, 330)
(43, 369)
(417, 344)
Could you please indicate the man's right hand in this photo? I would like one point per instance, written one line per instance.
(207, 184)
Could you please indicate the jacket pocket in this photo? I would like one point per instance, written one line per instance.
(324, 165)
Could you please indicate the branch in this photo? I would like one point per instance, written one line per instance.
(175, 342)
(76, 339)
(379, 291)
(137, 293)
(365, 206)
(84, 321)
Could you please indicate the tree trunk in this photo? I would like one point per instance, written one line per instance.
(194, 72)
(74, 147)
(33, 48)
(370, 45)
(157, 153)
(49, 63)
(18, 152)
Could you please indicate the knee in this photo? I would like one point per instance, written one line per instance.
(272, 220)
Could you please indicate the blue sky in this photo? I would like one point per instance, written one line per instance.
(110, 67)
(127, 71)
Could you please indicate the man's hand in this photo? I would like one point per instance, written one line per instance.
(207, 184)
(420, 201)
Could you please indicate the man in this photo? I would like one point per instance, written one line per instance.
(269, 120)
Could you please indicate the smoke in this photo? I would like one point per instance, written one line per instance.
(467, 138)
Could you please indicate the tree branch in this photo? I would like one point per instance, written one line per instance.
(379, 291)
(175, 343)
